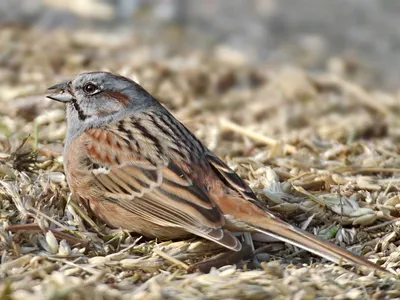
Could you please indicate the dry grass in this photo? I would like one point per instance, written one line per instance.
(320, 151)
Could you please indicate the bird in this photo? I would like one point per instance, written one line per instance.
(136, 167)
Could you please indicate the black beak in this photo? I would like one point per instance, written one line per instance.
(61, 94)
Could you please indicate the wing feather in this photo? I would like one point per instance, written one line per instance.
(160, 192)
(232, 179)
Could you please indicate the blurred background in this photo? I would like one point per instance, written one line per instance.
(310, 33)
(301, 69)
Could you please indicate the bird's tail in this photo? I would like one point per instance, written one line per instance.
(285, 232)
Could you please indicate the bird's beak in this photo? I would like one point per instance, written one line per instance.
(61, 92)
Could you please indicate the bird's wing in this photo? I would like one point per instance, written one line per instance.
(157, 190)
(231, 179)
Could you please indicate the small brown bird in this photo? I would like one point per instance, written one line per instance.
(138, 168)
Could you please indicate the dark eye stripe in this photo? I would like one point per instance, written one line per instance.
(81, 114)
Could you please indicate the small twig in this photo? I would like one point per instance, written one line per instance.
(295, 253)
(223, 259)
(379, 226)
(86, 269)
(293, 178)
(228, 125)
(16, 263)
(358, 93)
(301, 190)
(283, 174)
(58, 234)
(65, 267)
(38, 212)
(84, 216)
(309, 185)
(373, 170)
(170, 258)
(33, 273)
(264, 248)
(130, 246)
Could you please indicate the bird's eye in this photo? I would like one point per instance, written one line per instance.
(90, 88)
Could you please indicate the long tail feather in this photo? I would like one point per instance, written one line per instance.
(287, 233)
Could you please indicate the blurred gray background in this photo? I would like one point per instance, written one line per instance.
(309, 33)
